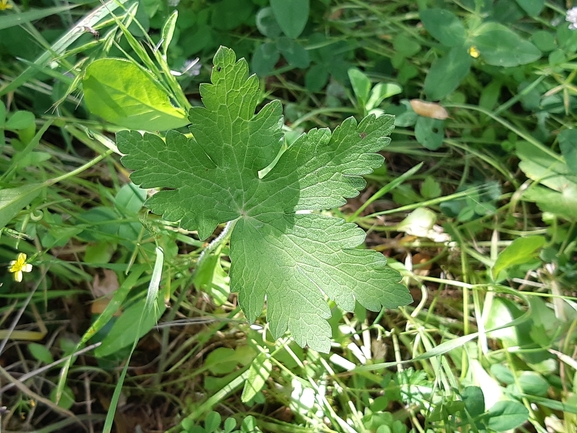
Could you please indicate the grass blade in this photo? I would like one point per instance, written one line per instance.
(62, 44)
(18, 19)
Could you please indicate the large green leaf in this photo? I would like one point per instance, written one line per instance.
(447, 73)
(20, 120)
(444, 26)
(506, 415)
(474, 400)
(520, 251)
(294, 53)
(228, 14)
(266, 23)
(123, 93)
(264, 59)
(563, 203)
(549, 169)
(430, 132)
(405, 46)
(500, 46)
(545, 167)
(291, 15)
(532, 7)
(281, 248)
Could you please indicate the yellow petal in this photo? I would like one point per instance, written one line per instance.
(474, 52)
(18, 264)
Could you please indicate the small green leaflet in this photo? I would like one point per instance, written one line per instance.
(126, 94)
(280, 249)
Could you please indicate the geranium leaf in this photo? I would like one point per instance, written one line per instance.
(281, 251)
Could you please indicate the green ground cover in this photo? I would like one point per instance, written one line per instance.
(188, 247)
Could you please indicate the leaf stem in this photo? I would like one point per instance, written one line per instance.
(79, 170)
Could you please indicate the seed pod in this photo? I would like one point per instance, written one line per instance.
(429, 109)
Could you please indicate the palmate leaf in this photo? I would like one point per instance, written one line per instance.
(279, 253)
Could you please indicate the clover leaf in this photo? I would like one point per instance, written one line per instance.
(281, 250)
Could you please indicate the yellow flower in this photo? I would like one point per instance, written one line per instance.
(474, 52)
(5, 5)
(18, 266)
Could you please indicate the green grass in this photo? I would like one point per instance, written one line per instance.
(483, 232)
